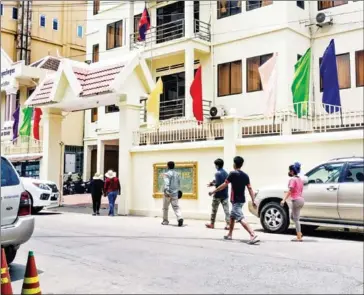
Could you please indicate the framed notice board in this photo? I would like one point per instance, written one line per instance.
(188, 176)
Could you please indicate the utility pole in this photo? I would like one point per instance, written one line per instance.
(24, 29)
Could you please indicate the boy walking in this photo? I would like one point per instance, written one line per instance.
(239, 181)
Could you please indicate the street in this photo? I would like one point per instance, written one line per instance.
(83, 254)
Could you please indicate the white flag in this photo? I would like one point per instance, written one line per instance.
(268, 76)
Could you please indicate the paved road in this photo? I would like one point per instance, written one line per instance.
(80, 253)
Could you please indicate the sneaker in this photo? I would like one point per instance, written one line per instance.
(97, 213)
(228, 238)
(210, 225)
(165, 222)
(180, 222)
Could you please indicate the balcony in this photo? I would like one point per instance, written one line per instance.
(21, 146)
(168, 32)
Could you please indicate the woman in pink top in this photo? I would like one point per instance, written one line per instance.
(295, 192)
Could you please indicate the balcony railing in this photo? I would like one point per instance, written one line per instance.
(21, 145)
(170, 31)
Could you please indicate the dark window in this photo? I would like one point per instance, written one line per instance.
(8, 174)
(328, 4)
(111, 109)
(354, 173)
(230, 78)
(15, 13)
(114, 37)
(228, 8)
(95, 53)
(251, 5)
(301, 4)
(17, 100)
(136, 26)
(94, 115)
(96, 6)
(328, 173)
(55, 24)
(299, 57)
(252, 71)
(170, 24)
(359, 68)
(1, 9)
(42, 21)
(343, 71)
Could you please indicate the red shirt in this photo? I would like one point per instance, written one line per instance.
(112, 185)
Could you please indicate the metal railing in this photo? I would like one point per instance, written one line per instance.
(179, 130)
(22, 145)
(168, 32)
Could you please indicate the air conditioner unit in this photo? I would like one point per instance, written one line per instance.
(323, 18)
(217, 112)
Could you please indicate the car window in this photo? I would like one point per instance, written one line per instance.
(355, 173)
(328, 173)
(8, 174)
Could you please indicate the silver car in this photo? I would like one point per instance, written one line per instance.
(333, 193)
(17, 224)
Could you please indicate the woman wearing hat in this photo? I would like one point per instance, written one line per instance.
(96, 187)
(111, 189)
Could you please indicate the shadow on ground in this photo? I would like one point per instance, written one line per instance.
(17, 271)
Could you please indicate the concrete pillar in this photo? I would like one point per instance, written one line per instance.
(189, 19)
(130, 24)
(189, 76)
(86, 162)
(100, 156)
(231, 133)
(10, 104)
(129, 122)
(52, 161)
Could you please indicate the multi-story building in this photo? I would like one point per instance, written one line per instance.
(230, 40)
(35, 36)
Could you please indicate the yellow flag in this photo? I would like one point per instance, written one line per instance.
(153, 101)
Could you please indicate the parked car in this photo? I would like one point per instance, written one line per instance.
(43, 193)
(17, 224)
(333, 194)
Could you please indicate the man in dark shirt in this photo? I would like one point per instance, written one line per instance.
(239, 181)
(220, 197)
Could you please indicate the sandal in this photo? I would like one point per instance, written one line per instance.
(228, 238)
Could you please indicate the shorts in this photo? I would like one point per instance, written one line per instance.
(237, 211)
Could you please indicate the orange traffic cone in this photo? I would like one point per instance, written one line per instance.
(5, 277)
(31, 281)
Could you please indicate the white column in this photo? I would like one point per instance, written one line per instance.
(230, 137)
(189, 19)
(129, 122)
(86, 162)
(189, 76)
(100, 156)
(130, 24)
(52, 161)
(10, 104)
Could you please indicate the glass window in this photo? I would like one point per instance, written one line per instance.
(328, 4)
(230, 78)
(15, 13)
(95, 53)
(8, 174)
(301, 4)
(80, 31)
(42, 21)
(94, 115)
(251, 5)
(114, 35)
(228, 8)
(328, 173)
(359, 68)
(111, 109)
(355, 173)
(343, 71)
(96, 7)
(252, 71)
(55, 24)
(1, 9)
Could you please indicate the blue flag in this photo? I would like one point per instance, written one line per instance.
(330, 81)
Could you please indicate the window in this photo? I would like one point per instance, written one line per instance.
(328, 4)
(252, 71)
(170, 24)
(111, 109)
(136, 26)
(95, 53)
(343, 71)
(94, 115)
(359, 68)
(354, 173)
(42, 21)
(8, 175)
(80, 31)
(114, 37)
(328, 173)
(228, 8)
(1, 9)
(55, 24)
(230, 78)
(15, 13)
(96, 6)
(251, 5)
(301, 4)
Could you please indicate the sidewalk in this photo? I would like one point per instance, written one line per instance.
(82, 200)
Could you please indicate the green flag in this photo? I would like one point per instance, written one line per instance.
(26, 127)
(301, 84)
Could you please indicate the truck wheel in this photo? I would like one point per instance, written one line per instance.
(274, 218)
(10, 254)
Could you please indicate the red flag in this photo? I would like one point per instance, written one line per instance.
(37, 115)
(196, 93)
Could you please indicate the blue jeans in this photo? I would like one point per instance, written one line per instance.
(112, 198)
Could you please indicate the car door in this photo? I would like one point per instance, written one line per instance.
(321, 192)
(351, 193)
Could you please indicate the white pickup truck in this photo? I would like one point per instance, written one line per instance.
(17, 224)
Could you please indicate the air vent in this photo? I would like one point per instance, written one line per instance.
(176, 66)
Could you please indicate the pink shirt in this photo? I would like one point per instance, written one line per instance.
(296, 186)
